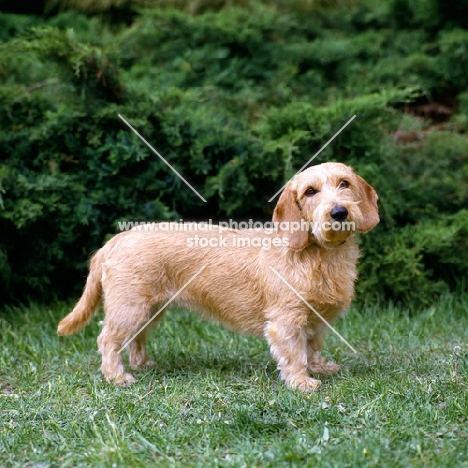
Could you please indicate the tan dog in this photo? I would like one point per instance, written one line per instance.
(138, 271)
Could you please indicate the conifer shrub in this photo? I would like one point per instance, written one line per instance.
(237, 101)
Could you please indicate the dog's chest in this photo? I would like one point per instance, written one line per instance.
(332, 277)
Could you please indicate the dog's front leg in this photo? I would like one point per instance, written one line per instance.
(288, 346)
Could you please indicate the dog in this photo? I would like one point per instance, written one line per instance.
(251, 289)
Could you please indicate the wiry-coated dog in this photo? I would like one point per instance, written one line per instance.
(138, 271)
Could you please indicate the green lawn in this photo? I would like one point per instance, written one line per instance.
(215, 398)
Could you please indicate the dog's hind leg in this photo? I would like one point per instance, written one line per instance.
(121, 328)
(110, 342)
(316, 362)
(137, 354)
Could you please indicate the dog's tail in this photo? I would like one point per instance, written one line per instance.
(87, 305)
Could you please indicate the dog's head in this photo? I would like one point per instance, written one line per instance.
(329, 202)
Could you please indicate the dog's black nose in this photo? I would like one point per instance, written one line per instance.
(339, 213)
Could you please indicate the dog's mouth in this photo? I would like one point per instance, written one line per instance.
(336, 228)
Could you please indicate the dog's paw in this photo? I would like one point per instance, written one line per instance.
(148, 364)
(326, 368)
(124, 380)
(305, 384)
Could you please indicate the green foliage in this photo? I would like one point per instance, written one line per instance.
(237, 101)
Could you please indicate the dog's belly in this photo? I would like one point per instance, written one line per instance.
(225, 299)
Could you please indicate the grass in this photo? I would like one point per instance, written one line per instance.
(216, 400)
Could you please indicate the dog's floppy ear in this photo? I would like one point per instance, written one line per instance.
(368, 205)
(287, 211)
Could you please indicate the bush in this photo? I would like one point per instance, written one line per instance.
(237, 101)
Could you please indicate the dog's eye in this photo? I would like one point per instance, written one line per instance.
(344, 184)
(310, 192)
